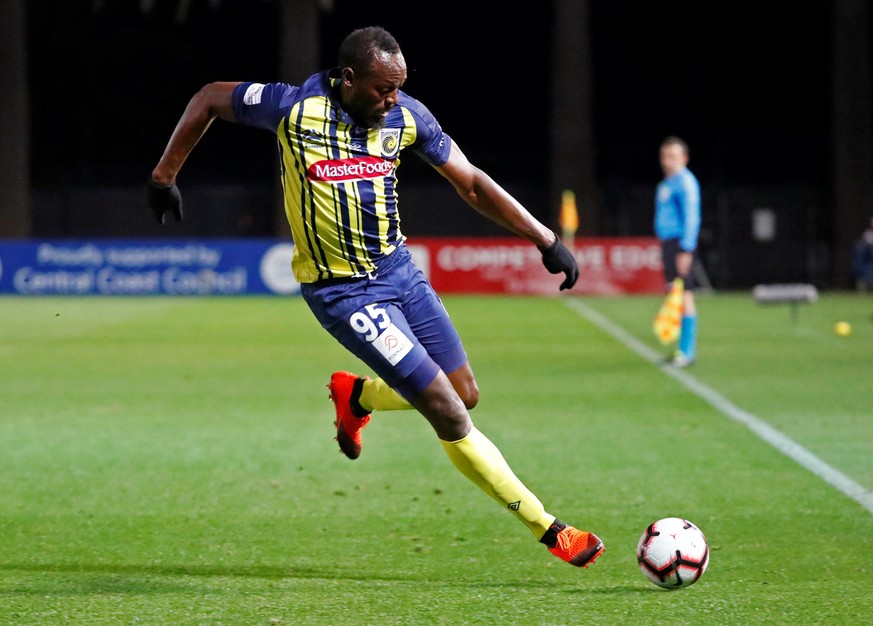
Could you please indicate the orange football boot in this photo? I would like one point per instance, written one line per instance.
(577, 547)
(348, 425)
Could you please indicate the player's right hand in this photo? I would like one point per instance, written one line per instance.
(163, 199)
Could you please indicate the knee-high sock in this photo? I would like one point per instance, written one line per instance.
(688, 336)
(377, 395)
(479, 460)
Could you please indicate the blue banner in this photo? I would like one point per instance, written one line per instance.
(116, 267)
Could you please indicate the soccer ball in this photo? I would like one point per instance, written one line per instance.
(673, 553)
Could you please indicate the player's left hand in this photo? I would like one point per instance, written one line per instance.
(557, 258)
(683, 262)
(162, 198)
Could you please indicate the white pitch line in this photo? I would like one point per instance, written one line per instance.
(764, 431)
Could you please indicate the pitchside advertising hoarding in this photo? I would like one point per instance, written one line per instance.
(147, 267)
(263, 266)
(511, 265)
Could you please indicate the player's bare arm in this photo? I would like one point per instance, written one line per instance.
(213, 100)
(490, 199)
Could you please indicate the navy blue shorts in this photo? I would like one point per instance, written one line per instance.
(394, 322)
(669, 249)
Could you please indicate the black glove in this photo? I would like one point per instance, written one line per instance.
(557, 258)
(162, 199)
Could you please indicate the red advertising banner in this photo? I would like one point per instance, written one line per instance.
(608, 266)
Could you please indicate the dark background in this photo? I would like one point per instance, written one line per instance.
(747, 85)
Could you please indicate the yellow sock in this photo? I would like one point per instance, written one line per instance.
(479, 460)
(376, 395)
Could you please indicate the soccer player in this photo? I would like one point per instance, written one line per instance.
(677, 226)
(340, 135)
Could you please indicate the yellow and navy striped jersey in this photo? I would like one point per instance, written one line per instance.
(339, 179)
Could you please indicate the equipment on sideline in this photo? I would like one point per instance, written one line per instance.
(668, 321)
(793, 294)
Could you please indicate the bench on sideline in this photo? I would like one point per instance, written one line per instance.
(793, 294)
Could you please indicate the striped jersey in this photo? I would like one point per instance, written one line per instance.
(677, 209)
(339, 179)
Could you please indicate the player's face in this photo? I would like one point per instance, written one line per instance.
(369, 95)
(673, 159)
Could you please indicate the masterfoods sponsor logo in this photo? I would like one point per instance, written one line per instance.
(339, 170)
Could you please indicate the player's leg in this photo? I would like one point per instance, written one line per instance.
(363, 318)
(379, 335)
(445, 403)
(669, 248)
(376, 395)
(366, 395)
(688, 331)
(430, 323)
(477, 458)
(361, 314)
(367, 317)
(687, 349)
(464, 382)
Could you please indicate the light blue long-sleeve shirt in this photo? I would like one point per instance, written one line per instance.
(677, 209)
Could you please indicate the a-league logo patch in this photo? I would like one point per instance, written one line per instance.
(253, 94)
(389, 141)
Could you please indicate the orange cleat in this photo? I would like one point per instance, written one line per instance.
(577, 547)
(348, 425)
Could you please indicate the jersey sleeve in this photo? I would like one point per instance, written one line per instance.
(262, 105)
(431, 143)
(689, 198)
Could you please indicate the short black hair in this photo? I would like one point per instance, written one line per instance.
(673, 140)
(361, 46)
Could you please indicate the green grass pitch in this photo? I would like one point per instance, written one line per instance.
(171, 461)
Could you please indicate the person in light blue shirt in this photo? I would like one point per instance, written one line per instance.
(677, 226)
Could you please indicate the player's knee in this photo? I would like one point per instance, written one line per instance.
(446, 414)
(465, 384)
(468, 391)
(470, 396)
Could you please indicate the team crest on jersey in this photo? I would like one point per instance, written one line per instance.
(389, 141)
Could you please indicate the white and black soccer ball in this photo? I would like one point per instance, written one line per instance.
(673, 553)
